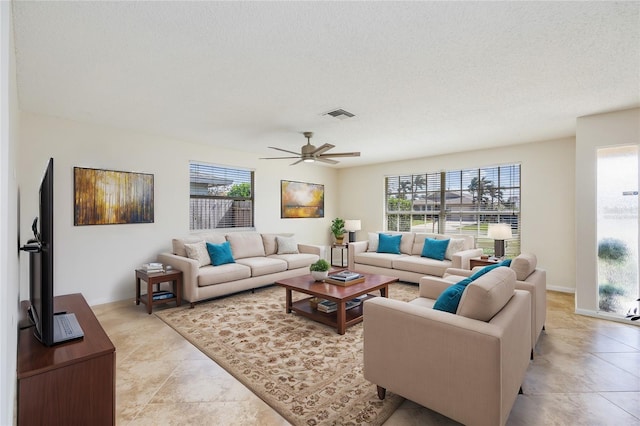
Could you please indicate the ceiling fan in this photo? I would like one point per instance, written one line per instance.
(310, 153)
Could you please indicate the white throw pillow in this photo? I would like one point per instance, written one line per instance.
(286, 245)
(373, 242)
(198, 251)
(455, 245)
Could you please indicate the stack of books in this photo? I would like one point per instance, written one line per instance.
(327, 306)
(162, 294)
(153, 267)
(345, 278)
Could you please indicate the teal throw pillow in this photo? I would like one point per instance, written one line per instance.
(220, 254)
(506, 262)
(449, 299)
(434, 249)
(389, 243)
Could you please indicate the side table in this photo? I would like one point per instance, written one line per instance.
(477, 261)
(173, 276)
(342, 248)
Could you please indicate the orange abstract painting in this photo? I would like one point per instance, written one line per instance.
(301, 200)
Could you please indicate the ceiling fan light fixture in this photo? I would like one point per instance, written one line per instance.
(308, 160)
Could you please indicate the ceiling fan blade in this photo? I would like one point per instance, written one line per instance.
(341, 154)
(296, 162)
(326, 160)
(284, 150)
(323, 148)
(277, 158)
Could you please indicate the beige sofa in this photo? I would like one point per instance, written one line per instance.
(468, 366)
(259, 260)
(409, 265)
(528, 277)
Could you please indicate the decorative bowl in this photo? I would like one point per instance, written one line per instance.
(319, 275)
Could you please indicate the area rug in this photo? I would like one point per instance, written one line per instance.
(304, 370)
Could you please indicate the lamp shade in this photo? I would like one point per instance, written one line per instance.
(352, 225)
(499, 231)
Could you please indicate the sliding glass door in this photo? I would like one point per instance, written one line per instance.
(617, 229)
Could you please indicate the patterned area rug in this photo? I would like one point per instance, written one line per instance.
(303, 369)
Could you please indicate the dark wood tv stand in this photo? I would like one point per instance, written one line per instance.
(70, 383)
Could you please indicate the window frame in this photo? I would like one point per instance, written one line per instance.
(226, 212)
(500, 202)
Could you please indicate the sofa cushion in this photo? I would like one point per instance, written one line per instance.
(456, 245)
(434, 249)
(263, 265)
(523, 265)
(486, 296)
(220, 254)
(246, 244)
(450, 298)
(211, 237)
(286, 245)
(382, 260)
(389, 243)
(270, 244)
(373, 242)
(295, 261)
(198, 251)
(421, 265)
(209, 275)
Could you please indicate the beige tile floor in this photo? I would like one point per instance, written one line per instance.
(586, 371)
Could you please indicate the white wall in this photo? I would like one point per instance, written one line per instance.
(593, 132)
(548, 188)
(9, 288)
(99, 261)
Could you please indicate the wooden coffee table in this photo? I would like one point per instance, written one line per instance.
(342, 318)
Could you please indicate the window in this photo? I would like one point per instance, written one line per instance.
(457, 202)
(220, 197)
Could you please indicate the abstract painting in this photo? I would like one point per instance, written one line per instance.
(107, 197)
(301, 200)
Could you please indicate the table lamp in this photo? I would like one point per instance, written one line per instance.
(499, 232)
(352, 225)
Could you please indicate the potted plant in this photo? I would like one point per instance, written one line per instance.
(337, 229)
(320, 270)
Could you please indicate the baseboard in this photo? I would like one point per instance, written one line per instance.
(561, 289)
(605, 316)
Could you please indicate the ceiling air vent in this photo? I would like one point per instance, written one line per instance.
(340, 114)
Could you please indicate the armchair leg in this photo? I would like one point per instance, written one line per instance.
(520, 392)
(382, 392)
(532, 354)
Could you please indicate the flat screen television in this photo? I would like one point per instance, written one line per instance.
(41, 310)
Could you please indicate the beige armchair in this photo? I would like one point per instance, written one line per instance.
(528, 277)
(468, 366)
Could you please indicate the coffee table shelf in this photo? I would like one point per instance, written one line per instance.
(352, 317)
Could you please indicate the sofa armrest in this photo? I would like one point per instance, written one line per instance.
(461, 258)
(355, 248)
(431, 287)
(458, 272)
(189, 268)
(311, 249)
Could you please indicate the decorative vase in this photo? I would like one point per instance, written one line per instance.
(319, 275)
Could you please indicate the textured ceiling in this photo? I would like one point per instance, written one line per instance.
(423, 78)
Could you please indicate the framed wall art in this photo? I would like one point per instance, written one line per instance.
(301, 199)
(108, 197)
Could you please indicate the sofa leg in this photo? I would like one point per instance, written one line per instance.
(520, 392)
(531, 354)
(382, 392)
(543, 329)
(192, 305)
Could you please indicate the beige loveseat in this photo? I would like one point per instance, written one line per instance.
(468, 366)
(409, 265)
(259, 260)
(528, 277)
